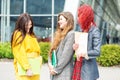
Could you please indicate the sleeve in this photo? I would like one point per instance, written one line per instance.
(96, 44)
(67, 54)
(19, 52)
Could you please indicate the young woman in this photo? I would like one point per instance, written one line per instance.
(88, 69)
(62, 44)
(24, 45)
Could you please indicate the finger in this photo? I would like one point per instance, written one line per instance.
(78, 58)
(83, 55)
(53, 73)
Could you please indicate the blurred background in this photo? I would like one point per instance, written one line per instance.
(44, 14)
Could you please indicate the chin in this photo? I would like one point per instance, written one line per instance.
(61, 27)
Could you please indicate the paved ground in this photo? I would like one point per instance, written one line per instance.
(106, 73)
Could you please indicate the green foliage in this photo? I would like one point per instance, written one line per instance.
(5, 50)
(110, 55)
(44, 46)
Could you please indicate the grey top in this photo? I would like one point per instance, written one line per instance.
(65, 54)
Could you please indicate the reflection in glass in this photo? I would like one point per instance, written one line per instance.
(59, 6)
(42, 27)
(0, 6)
(39, 6)
(12, 23)
(55, 23)
(16, 6)
(0, 28)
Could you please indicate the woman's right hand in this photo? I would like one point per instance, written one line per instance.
(29, 72)
(50, 66)
(52, 71)
(75, 46)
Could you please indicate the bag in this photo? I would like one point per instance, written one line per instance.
(35, 66)
(54, 58)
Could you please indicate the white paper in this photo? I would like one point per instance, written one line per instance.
(81, 39)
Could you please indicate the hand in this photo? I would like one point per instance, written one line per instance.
(75, 46)
(83, 54)
(52, 72)
(29, 72)
(78, 55)
(50, 66)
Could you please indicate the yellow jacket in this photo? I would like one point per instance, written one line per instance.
(22, 51)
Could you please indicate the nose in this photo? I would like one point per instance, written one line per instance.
(59, 21)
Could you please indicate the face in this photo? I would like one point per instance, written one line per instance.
(62, 21)
(28, 26)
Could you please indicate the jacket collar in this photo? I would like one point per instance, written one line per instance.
(89, 30)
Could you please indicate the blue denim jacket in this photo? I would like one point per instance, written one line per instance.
(89, 67)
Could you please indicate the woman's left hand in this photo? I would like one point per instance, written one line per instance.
(52, 72)
(78, 55)
(50, 66)
(29, 72)
(75, 46)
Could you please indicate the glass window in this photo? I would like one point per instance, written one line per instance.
(42, 27)
(0, 6)
(59, 6)
(55, 22)
(12, 22)
(39, 6)
(16, 6)
(0, 28)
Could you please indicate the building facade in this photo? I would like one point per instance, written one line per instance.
(44, 14)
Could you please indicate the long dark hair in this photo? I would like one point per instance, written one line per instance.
(21, 22)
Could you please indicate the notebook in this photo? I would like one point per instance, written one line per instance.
(35, 66)
(54, 58)
(81, 38)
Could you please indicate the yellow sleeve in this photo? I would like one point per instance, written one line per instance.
(19, 51)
